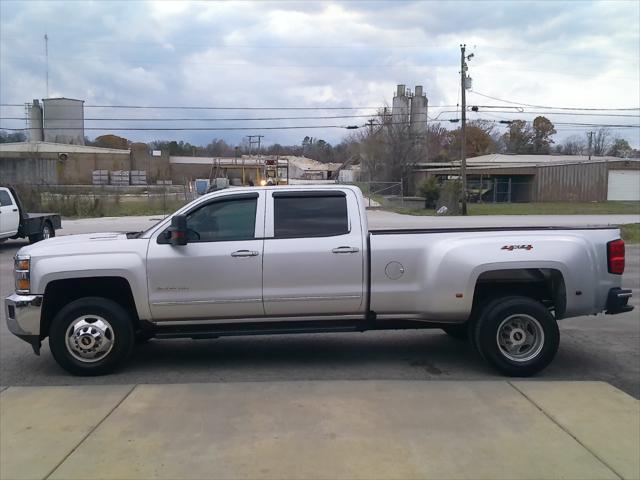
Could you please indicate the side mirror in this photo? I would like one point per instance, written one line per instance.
(178, 230)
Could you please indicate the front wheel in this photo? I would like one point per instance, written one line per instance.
(91, 336)
(517, 335)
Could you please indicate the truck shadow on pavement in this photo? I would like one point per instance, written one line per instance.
(327, 355)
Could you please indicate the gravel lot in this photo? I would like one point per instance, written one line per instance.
(592, 348)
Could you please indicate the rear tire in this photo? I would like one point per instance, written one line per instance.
(46, 231)
(91, 336)
(516, 335)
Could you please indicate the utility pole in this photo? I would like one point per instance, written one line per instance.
(463, 156)
(590, 135)
(370, 122)
(252, 141)
(46, 59)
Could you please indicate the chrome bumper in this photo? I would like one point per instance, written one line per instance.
(23, 318)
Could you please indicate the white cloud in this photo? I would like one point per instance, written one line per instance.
(320, 54)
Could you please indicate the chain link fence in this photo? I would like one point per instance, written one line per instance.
(381, 193)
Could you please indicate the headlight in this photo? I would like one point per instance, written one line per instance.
(22, 273)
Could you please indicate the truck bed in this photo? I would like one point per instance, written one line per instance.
(31, 223)
(395, 231)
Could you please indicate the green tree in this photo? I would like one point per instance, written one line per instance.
(478, 140)
(543, 129)
(518, 137)
(111, 141)
(620, 148)
(430, 190)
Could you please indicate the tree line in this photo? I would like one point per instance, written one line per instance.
(388, 150)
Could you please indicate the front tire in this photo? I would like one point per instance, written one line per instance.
(517, 335)
(91, 336)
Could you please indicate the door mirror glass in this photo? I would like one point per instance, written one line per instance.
(178, 230)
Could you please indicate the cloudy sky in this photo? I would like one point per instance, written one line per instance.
(320, 54)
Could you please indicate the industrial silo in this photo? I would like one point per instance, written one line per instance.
(63, 120)
(419, 112)
(35, 122)
(401, 109)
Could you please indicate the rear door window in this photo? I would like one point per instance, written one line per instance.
(300, 215)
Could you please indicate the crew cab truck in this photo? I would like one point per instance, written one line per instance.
(277, 260)
(16, 223)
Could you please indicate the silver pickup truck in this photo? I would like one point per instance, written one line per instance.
(277, 260)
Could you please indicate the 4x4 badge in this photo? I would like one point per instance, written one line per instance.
(517, 247)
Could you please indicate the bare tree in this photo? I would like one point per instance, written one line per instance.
(574, 145)
(601, 141)
(390, 151)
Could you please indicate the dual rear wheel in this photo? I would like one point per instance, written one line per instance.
(516, 335)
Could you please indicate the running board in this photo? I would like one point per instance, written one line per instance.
(281, 328)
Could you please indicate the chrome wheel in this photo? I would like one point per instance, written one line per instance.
(89, 338)
(46, 232)
(520, 338)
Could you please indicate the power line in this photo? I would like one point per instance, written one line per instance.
(576, 124)
(299, 127)
(177, 107)
(101, 119)
(176, 129)
(564, 113)
(239, 119)
(171, 107)
(553, 108)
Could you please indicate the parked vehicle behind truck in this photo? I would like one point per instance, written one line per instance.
(15, 222)
(290, 259)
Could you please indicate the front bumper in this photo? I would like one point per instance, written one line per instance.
(23, 318)
(617, 301)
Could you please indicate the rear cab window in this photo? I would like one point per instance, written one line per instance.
(310, 214)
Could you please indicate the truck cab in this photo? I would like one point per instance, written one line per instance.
(15, 222)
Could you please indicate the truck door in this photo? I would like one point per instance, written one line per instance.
(9, 214)
(218, 274)
(313, 254)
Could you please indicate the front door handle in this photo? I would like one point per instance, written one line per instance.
(345, 250)
(244, 253)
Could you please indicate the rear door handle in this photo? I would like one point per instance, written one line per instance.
(244, 253)
(345, 250)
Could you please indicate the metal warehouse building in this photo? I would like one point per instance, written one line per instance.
(543, 178)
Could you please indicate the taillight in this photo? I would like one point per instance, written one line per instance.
(615, 256)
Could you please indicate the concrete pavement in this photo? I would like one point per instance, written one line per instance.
(367, 429)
